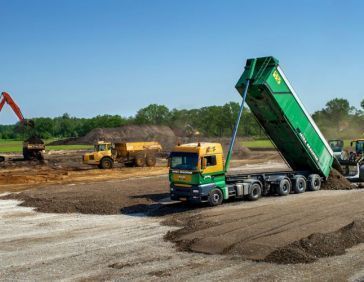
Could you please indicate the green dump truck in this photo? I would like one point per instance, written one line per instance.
(196, 173)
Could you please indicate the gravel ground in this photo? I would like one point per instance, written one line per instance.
(75, 247)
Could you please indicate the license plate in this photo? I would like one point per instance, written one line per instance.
(183, 199)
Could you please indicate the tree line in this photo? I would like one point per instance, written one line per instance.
(337, 120)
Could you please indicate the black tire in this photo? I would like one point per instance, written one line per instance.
(106, 163)
(255, 192)
(2, 159)
(139, 161)
(215, 197)
(40, 156)
(300, 184)
(314, 182)
(151, 160)
(284, 187)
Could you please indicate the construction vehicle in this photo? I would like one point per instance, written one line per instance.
(33, 147)
(198, 172)
(337, 146)
(352, 162)
(129, 153)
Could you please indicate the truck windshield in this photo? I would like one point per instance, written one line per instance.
(100, 147)
(181, 160)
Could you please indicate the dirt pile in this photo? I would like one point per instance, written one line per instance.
(336, 181)
(162, 134)
(239, 151)
(320, 245)
(34, 140)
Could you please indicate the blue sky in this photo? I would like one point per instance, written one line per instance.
(96, 57)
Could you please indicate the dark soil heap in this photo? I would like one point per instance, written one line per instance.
(128, 133)
(336, 181)
(320, 245)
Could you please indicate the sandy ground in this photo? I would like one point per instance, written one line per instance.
(65, 167)
(74, 247)
(64, 244)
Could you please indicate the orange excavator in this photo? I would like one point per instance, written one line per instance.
(33, 147)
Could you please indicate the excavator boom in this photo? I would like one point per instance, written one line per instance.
(6, 98)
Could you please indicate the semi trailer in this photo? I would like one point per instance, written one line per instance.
(198, 172)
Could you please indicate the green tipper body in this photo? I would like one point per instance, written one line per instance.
(277, 108)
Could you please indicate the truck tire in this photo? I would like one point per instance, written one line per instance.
(215, 197)
(284, 187)
(139, 160)
(300, 184)
(106, 163)
(2, 159)
(314, 182)
(150, 160)
(255, 192)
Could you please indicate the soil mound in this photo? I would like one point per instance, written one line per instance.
(239, 151)
(320, 245)
(128, 133)
(336, 181)
(34, 140)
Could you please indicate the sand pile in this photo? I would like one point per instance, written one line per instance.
(320, 245)
(336, 181)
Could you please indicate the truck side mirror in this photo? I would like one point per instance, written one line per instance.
(203, 163)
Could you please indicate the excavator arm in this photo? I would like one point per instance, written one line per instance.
(6, 98)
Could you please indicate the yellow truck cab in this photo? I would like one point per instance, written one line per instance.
(130, 153)
(197, 173)
(101, 154)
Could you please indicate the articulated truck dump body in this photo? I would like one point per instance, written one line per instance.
(279, 111)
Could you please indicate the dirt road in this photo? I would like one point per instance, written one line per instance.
(37, 246)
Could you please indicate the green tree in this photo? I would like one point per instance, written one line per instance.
(153, 114)
(362, 104)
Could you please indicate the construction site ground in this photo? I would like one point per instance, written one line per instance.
(65, 220)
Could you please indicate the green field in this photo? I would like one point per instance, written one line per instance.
(15, 146)
(268, 144)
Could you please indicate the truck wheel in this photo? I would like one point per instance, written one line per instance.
(139, 161)
(300, 184)
(255, 192)
(106, 163)
(151, 160)
(284, 187)
(314, 182)
(215, 197)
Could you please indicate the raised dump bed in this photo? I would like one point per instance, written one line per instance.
(280, 112)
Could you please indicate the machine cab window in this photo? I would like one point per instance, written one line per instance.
(359, 146)
(101, 147)
(208, 161)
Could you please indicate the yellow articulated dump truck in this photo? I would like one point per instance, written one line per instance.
(129, 153)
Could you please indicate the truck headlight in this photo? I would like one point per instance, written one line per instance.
(195, 191)
(171, 189)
